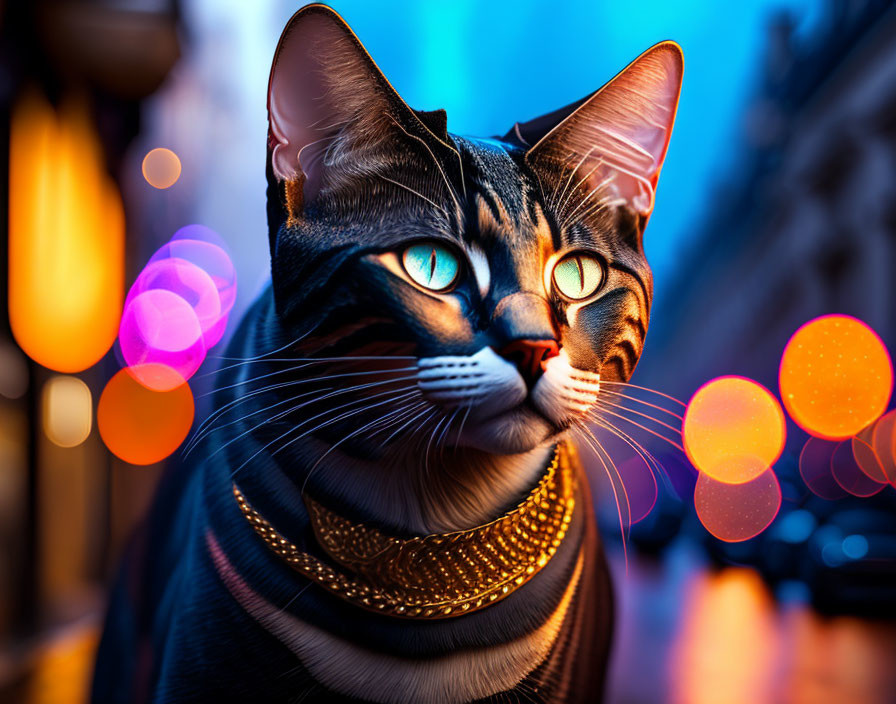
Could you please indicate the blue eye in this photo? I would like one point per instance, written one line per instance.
(578, 275)
(431, 265)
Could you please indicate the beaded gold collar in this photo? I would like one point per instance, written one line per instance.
(440, 575)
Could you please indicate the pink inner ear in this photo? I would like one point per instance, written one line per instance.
(633, 122)
(619, 136)
(299, 112)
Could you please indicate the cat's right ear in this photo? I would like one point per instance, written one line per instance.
(613, 141)
(332, 114)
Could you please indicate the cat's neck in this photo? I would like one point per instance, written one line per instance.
(453, 489)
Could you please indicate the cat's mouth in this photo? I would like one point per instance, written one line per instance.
(505, 416)
(512, 431)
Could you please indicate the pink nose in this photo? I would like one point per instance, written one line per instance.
(530, 356)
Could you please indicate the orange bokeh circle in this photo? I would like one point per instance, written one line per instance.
(141, 425)
(836, 377)
(161, 168)
(733, 429)
(737, 512)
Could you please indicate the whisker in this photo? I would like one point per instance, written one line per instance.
(407, 411)
(230, 405)
(554, 197)
(462, 423)
(420, 432)
(429, 444)
(616, 472)
(620, 407)
(272, 387)
(265, 354)
(562, 208)
(310, 379)
(198, 436)
(333, 447)
(653, 464)
(416, 193)
(567, 216)
(629, 420)
(424, 404)
(451, 190)
(313, 430)
(645, 403)
(306, 361)
(604, 382)
(295, 408)
(442, 436)
(602, 204)
(594, 444)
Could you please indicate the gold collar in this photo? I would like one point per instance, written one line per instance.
(440, 575)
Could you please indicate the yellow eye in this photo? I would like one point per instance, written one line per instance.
(431, 265)
(578, 275)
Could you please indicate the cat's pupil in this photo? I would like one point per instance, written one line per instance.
(432, 264)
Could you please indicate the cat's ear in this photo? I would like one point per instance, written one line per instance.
(614, 140)
(331, 111)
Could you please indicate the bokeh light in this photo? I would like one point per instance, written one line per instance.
(835, 377)
(883, 440)
(66, 238)
(214, 261)
(815, 469)
(140, 425)
(161, 168)
(640, 487)
(160, 327)
(855, 547)
(733, 429)
(865, 457)
(67, 410)
(200, 233)
(848, 474)
(177, 308)
(185, 280)
(737, 512)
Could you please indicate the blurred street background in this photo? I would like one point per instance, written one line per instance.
(777, 204)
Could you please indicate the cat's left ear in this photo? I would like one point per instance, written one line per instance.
(616, 138)
(332, 113)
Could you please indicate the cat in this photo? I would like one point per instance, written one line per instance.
(384, 505)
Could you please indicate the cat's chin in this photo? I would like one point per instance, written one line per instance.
(520, 429)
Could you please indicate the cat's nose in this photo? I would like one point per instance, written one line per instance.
(529, 356)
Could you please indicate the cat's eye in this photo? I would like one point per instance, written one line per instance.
(431, 265)
(578, 275)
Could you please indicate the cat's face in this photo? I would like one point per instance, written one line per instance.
(507, 276)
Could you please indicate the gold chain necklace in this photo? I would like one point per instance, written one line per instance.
(440, 575)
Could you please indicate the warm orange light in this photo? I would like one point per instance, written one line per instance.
(67, 410)
(736, 512)
(142, 426)
(727, 650)
(161, 168)
(835, 377)
(883, 440)
(733, 429)
(66, 238)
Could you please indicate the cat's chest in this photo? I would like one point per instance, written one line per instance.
(364, 673)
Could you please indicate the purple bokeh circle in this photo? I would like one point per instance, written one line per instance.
(160, 327)
(191, 283)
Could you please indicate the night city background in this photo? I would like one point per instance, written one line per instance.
(777, 205)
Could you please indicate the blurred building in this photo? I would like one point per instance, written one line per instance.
(807, 226)
(66, 505)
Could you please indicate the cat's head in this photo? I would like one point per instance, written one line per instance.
(506, 274)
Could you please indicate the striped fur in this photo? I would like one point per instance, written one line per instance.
(330, 394)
